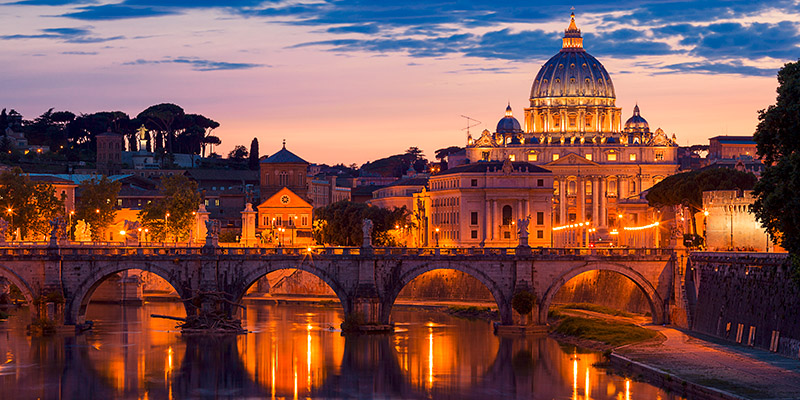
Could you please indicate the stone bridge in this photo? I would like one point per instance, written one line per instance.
(366, 280)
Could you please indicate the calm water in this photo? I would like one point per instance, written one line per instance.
(294, 353)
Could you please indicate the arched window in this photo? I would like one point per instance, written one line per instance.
(283, 178)
(507, 215)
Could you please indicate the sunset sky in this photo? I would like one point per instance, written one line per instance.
(351, 81)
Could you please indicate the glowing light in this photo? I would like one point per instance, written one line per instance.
(122, 233)
(639, 228)
(705, 213)
(575, 379)
(430, 355)
(627, 389)
(586, 393)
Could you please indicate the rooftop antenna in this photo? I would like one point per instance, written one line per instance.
(470, 123)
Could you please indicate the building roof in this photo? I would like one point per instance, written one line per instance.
(44, 178)
(733, 139)
(284, 156)
(414, 181)
(494, 166)
(508, 124)
(222, 175)
(79, 178)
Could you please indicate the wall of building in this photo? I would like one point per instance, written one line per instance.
(729, 224)
(731, 300)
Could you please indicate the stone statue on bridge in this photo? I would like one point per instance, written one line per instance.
(83, 231)
(366, 230)
(3, 230)
(522, 233)
(212, 233)
(132, 229)
(58, 233)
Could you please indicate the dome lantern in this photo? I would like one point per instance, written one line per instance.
(572, 36)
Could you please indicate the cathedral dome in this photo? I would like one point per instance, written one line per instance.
(509, 124)
(572, 72)
(637, 123)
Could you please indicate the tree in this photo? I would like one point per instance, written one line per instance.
(162, 118)
(96, 205)
(687, 188)
(777, 205)
(339, 224)
(172, 215)
(239, 153)
(28, 206)
(441, 154)
(253, 161)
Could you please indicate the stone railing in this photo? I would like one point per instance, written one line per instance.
(72, 249)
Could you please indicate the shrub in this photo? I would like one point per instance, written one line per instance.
(523, 302)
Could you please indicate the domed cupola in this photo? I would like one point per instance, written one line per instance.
(573, 93)
(509, 124)
(636, 123)
(637, 128)
(572, 72)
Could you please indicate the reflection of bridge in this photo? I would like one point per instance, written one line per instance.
(366, 280)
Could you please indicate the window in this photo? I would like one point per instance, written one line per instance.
(612, 156)
(283, 178)
(279, 220)
(507, 215)
(204, 202)
(533, 157)
(632, 157)
(304, 220)
(473, 218)
(485, 156)
(555, 157)
(119, 202)
(506, 235)
(512, 157)
(473, 183)
(539, 218)
(659, 156)
(540, 182)
(540, 234)
(588, 156)
(474, 234)
(216, 202)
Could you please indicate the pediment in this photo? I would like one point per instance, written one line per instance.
(278, 200)
(572, 159)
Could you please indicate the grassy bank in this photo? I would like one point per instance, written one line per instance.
(610, 333)
(473, 312)
(595, 308)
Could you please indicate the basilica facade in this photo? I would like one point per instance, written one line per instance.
(600, 166)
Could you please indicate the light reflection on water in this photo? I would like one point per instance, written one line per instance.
(297, 352)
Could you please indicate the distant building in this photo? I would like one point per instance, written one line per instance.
(285, 219)
(574, 129)
(281, 170)
(729, 224)
(731, 147)
(62, 188)
(110, 146)
(480, 204)
(325, 190)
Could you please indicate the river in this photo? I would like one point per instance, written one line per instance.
(294, 352)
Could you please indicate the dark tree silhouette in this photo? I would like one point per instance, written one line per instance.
(252, 163)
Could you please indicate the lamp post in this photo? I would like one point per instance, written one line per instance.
(705, 228)
(437, 237)
(10, 212)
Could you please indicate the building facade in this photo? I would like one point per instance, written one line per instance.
(573, 128)
(480, 204)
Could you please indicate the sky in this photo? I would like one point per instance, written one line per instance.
(352, 81)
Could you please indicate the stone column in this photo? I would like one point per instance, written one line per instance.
(581, 200)
(200, 225)
(603, 216)
(622, 189)
(595, 201)
(495, 221)
(562, 200)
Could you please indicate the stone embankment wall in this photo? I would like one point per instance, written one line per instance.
(750, 300)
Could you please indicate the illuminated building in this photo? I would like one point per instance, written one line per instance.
(480, 204)
(573, 128)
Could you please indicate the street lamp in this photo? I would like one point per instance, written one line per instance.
(437, 237)
(10, 212)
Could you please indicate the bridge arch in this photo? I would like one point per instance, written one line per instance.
(502, 300)
(78, 302)
(650, 293)
(19, 282)
(261, 269)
